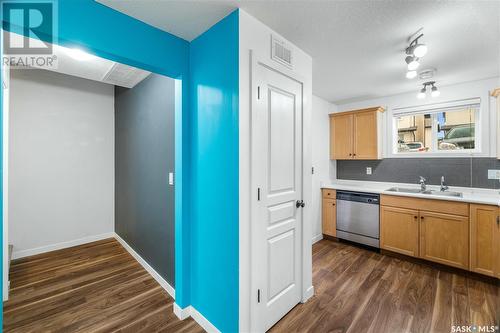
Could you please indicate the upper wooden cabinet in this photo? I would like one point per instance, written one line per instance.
(496, 93)
(356, 134)
(485, 240)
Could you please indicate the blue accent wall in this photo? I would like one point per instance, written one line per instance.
(110, 34)
(214, 75)
(206, 142)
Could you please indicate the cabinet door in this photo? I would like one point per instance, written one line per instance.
(444, 238)
(399, 230)
(483, 234)
(341, 137)
(365, 136)
(329, 217)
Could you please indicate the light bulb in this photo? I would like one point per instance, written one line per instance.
(78, 54)
(435, 92)
(411, 74)
(413, 65)
(420, 50)
(421, 94)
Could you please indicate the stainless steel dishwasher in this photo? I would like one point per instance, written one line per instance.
(358, 217)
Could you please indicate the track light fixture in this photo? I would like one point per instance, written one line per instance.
(434, 90)
(411, 74)
(414, 52)
(412, 63)
(417, 49)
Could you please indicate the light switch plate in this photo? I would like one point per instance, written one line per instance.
(170, 178)
(368, 170)
(493, 174)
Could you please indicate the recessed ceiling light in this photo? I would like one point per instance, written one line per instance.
(411, 74)
(78, 54)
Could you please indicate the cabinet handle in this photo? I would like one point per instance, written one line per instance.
(333, 204)
(421, 217)
(416, 216)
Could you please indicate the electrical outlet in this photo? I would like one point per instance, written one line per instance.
(368, 170)
(493, 174)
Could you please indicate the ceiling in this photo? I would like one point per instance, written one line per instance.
(90, 67)
(357, 46)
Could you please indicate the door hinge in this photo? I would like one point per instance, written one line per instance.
(312, 170)
(258, 295)
(258, 92)
(258, 194)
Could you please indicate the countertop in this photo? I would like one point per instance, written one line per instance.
(470, 195)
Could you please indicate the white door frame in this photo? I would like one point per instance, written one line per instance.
(307, 289)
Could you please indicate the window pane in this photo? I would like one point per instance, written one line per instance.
(414, 133)
(456, 129)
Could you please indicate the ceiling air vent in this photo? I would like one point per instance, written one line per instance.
(281, 52)
(125, 76)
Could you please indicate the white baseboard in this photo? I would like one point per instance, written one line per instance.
(182, 313)
(59, 246)
(204, 322)
(317, 238)
(165, 285)
(308, 294)
(198, 317)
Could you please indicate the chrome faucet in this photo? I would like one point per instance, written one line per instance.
(444, 187)
(423, 185)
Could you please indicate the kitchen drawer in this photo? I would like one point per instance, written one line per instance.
(329, 193)
(430, 205)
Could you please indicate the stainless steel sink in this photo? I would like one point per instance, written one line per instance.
(428, 192)
(404, 190)
(444, 193)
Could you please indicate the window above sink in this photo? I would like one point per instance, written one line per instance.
(439, 129)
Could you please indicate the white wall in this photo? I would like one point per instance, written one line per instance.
(256, 37)
(5, 179)
(320, 153)
(61, 168)
(481, 89)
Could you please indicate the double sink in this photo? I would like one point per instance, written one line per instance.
(427, 192)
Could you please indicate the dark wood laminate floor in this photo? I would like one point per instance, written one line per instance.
(358, 290)
(96, 287)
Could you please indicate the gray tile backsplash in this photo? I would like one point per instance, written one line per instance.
(467, 172)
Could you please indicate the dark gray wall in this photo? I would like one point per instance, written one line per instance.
(466, 172)
(144, 155)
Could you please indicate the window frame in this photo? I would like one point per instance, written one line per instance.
(433, 110)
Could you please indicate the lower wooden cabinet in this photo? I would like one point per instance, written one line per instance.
(399, 230)
(451, 233)
(444, 238)
(485, 240)
(329, 213)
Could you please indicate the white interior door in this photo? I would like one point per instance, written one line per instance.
(277, 182)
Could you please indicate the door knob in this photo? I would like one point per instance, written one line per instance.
(300, 203)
